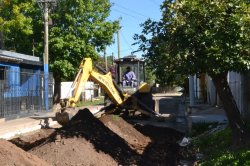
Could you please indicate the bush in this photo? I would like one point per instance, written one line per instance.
(217, 150)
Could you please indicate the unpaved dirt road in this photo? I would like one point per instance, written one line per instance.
(107, 141)
(12, 155)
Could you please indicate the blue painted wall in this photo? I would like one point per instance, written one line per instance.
(30, 86)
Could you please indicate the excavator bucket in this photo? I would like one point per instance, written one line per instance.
(62, 118)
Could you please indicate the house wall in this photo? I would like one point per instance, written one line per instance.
(21, 91)
(211, 91)
(22, 80)
(87, 94)
(196, 87)
(235, 81)
(240, 86)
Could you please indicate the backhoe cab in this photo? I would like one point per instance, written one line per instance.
(136, 65)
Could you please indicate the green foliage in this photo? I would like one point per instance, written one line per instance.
(96, 101)
(150, 76)
(101, 62)
(198, 37)
(236, 158)
(217, 149)
(209, 36)
(199, 128)
(79, 29)
(155, 51)
(217, 142)
(16, 24)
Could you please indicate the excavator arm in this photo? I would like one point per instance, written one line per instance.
(104, 80)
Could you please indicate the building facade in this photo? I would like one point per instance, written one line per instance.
(239, 84)
(21, 85)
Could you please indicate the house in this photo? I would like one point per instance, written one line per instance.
(21, 85)
(238, 82)
(90, 90)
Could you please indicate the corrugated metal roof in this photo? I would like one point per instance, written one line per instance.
(18, 55)
(6, 58)
(9, 56)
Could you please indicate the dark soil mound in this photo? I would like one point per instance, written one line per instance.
(10, 154)
(107, 141)
(163, 146)
(33, 139)
(118, 125)
(86, 141)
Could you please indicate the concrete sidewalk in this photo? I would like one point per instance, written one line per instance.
(206, 113)
(170, 104)
(13, 128)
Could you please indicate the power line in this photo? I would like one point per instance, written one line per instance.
(127, 14)
(125, 50)
(132, 11)
(154, 2)
(121, 50)
(127, 42)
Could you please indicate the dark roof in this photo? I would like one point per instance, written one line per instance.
(129, 59)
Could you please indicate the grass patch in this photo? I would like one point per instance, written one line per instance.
(96, 101)
(217, 151)
(200, 128)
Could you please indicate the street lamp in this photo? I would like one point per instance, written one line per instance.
(45, 5)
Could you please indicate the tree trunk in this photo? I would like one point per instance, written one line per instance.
(236, 122)
(57, 88)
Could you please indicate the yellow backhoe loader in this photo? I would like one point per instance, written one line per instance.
(138, 99)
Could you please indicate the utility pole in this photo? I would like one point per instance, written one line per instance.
(44, 5)
(113, 58)
(105, 60)
(33, 47)
(118, 43)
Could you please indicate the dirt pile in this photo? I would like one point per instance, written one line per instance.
(126, 131)
(86, 140)
(106, 141)
(33, 139)
(163, 148)
(12, 155)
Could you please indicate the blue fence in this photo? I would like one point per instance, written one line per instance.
(22, 92)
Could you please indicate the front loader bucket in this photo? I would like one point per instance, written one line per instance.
(64, 117)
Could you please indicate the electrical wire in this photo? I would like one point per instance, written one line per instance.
(154, 3)
(135, 12)
(126, 41)
(136, 18)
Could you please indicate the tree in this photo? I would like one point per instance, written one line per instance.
(79, 29)
(152, 42)
(16, 25)
(210, 37)
(150, 76)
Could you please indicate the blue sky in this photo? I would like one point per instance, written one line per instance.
(132, 14)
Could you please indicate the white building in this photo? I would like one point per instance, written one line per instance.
(90, 90)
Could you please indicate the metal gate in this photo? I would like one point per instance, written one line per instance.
(22, 95)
